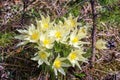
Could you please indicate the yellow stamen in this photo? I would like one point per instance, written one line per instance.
(75, 40)
(35, 36)
(43, 55)
(57, 64)
(46, 25)
(73, 56)
(46, 41)
(58, 35)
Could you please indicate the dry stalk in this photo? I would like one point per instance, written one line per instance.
(93, 31)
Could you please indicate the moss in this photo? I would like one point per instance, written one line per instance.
(6, 39)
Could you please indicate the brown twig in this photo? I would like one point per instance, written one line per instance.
(93, 31)
(13, 65)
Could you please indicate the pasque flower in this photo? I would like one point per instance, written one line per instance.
(75, 39)
(41, 57)
(71, 22)
(46, 41)
(101, 44)
(31, 34)
(44, 24)
(58, 33)
(75, 56)
(58, 64)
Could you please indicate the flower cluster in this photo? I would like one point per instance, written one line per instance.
(59, 44)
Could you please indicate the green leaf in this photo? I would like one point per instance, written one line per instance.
(87, 54)
(108, 2)
(80, 75)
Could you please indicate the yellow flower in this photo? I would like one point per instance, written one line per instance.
(44, 24)
(32, 34)
(75, 39)
(35, 36)
(76, 56)
(58, 32)
(73, 56)
(58, 64)
(101, 44)
(41, 57)
(70, 22)
(46, 41)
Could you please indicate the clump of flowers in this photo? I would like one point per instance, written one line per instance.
(60, 45)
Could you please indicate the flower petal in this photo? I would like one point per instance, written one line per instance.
(40, 62)
(35, 58)
(55, 71)
(61, 71)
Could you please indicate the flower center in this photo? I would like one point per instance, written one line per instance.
(57, 64)
(58, 35)
(46, 42)
(73, 56)
(75, 40)
(35, 36)
(43, 55)
(46, 25)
